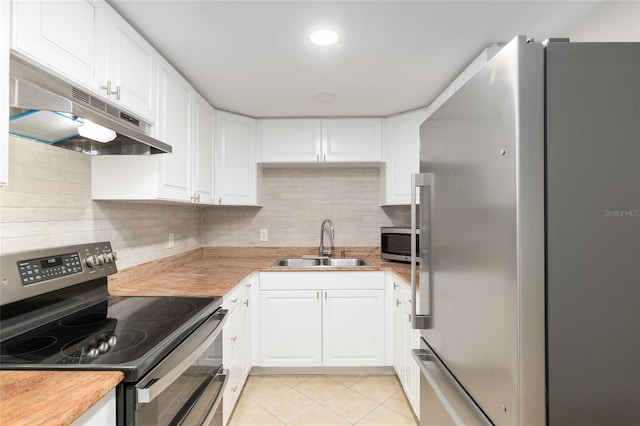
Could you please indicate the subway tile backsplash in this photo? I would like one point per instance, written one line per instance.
(48, 203)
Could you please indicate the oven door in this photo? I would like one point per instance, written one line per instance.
(186, 388)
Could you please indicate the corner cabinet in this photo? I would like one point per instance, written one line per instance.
(340, 140)
(402, 156)
(310, 319)
(235, 168)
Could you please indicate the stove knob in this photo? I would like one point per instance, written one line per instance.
(112, 341)
(103, 346)
(108, 258)
(91, 261)
(100, 259)
(115, 255)
(92, 352)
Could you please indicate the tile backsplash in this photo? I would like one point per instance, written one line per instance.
(48, 203)
(297, 200)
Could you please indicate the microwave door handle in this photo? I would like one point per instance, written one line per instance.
(421, 180)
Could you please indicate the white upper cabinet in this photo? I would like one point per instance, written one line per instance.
(5, 29)
(65, 36)
(89, 44)
(352, 140)
(348, 140)
(235, 168)
(402, 156)
(295, 140)
(174, 120)
(203, 139)
(131, 67)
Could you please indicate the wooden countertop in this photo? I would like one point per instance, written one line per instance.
(60, 397)
(51, 398)
(214, 271)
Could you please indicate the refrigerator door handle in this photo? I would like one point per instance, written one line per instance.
(454, 399)
(421, 321)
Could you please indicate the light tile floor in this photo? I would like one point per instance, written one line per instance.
(322, 400)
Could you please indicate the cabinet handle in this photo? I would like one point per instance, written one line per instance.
(234, 300)
(398, 302)
(234, 389)
(248, 285)
(220, 200)
(117, 92)
(233, 339)
(325, 158)
(246, 303)
(325, 295)
(395, 286)
(317, 295)
(318, 158)
(107, 88)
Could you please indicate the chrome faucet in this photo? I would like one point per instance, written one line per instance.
(322, 251)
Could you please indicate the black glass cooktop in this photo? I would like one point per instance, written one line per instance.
(130, 334)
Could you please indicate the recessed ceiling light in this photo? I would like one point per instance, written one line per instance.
(324, 97)
(324, 37)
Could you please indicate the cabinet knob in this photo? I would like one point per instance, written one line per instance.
(220, 200)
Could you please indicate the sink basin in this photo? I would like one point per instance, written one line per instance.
(298, 262)
(302, 262)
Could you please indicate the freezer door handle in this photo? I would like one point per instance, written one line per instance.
(421, 180)
(461, 408)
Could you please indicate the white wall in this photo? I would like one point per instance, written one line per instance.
(613, 21)
(48, 204)
(297, 200)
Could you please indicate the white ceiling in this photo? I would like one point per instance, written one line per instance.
(254, 57)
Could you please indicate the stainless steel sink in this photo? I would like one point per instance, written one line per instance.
(303, 262)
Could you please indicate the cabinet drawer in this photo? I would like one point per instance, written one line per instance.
(232, 336)
(235, 297)
(234, 386)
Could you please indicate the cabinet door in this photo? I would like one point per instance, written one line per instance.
(402, 152)
(353, 328)
(131, 67)
(235, 160)
(173, 128)
(290, 328)
(399, 334)
(290, 140)
(352, 140)
(203, 124)
(63, 36)
(4, 92)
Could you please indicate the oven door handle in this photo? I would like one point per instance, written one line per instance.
(181, 358)
(201, 409)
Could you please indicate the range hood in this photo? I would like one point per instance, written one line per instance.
(45, 108)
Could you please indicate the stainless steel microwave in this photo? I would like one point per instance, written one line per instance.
(395, 243)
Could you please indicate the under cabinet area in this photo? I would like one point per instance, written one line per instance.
(340, 140)
(332, 319)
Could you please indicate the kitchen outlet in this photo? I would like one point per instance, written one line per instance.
(171, 242)
(264, 235)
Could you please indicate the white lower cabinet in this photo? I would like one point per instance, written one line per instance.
(102, 413)
(236, 343)
(310, 319)
(405, 338)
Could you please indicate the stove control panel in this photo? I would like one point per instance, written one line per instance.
(37, 270)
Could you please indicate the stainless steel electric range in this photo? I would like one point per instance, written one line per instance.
(56, 313)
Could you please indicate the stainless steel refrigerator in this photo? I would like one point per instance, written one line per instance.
(529, 283)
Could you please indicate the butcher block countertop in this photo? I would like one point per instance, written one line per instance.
(214, 271)
(51, 398)
(60, 397)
